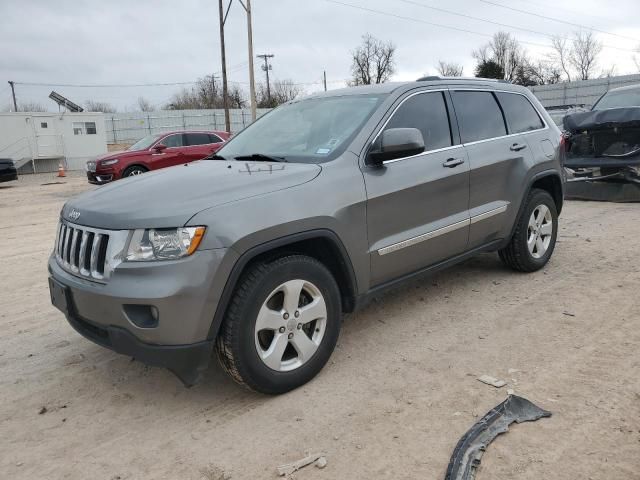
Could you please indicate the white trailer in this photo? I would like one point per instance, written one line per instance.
(40, 141)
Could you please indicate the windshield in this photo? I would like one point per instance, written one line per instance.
(143, 143)
(313, 130)
(619, 99)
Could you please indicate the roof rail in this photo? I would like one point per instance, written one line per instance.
(431, 78)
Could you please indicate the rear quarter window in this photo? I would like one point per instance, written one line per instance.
(479, 116)
(520, 114)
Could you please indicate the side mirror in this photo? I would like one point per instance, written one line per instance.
(396, 143)
(160, 148)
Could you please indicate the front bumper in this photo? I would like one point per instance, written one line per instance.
(183, 294)
(99, 178)
(8, 175)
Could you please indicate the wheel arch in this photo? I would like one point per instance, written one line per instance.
(322, 244)
(137, 164)
(549, 181)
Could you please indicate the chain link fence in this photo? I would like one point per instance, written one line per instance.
(128, 128)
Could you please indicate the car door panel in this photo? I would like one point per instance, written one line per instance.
(499, 162)
(417, 207)
(417, 213)
(170, 156)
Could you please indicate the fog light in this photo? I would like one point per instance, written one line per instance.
(142, 316)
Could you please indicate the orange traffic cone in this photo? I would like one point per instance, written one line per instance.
(61, 170)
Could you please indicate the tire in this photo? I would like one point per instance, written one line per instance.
(134, 170)
(519, 254)
(290, 350)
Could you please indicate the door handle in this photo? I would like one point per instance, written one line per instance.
(453, 162)
(516, 147)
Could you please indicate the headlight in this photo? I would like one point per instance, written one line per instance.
(106, 163)
(164, 243)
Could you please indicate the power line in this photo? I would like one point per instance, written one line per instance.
(418, 20)
(75, 85)
(536, 32)
(559, 20)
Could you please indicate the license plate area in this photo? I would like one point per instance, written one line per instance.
(59, 295)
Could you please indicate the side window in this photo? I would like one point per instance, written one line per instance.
(78, 128)
(90, 128)
(197, 139)
(479, 116)
(428, 113)
(521, 116)
(214, 138)
(173, 140)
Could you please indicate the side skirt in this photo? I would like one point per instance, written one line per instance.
(363, 300)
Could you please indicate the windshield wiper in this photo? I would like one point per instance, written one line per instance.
(214, 156)
(260, 157)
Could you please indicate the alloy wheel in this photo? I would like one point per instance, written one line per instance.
(539, 231)
(290, 325)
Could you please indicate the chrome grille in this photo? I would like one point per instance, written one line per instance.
(83, 251)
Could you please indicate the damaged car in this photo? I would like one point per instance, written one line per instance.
(604, 143)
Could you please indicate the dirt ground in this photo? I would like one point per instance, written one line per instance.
(397, 395)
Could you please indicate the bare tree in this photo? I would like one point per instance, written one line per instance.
(97, 106)
(25, 107)
(504, 50)
(585, 49)
(372, 62)
(282, 91)
(145, 105)
(207, 93)
(542, 72)
(449, 69)
(636, 58)
(561, 55)
(31, 107)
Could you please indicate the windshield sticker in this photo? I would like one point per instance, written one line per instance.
(323, 151)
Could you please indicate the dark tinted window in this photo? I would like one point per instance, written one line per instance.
(173, 140)
(520, 114)
(428, 113)
(198, 139)
(479, 116)
(214, 138)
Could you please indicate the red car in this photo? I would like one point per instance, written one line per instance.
(154, 152)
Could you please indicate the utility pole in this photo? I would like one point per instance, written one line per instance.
(324, 79)
(266, 67)
(252, 79)
(13, 93)
(225, 96)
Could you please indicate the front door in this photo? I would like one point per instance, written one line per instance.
(47, 142)
(170, 156)
(417, 207)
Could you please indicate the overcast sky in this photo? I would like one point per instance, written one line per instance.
(119, 42)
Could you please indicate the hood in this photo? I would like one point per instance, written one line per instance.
(171, 196)
(602, 119)
(120, 154)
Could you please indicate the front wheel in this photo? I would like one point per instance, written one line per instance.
(135, 170)
(282, 324)
(535, 235)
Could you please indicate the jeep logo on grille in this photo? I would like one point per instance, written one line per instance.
(74, 214)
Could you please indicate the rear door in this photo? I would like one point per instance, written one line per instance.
(499, 163)
(172, 155)
(417, 207)
(200, 145)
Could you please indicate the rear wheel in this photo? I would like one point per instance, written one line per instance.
(282, 324)
(534, 239)
(134, 170)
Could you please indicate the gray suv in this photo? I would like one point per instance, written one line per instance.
(320, 205)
